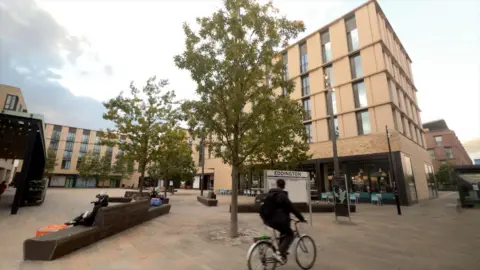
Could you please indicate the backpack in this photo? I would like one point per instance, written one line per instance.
(268, 207)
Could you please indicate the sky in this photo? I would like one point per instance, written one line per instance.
(68, 56)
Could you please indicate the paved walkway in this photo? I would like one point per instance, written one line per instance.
(431, 235)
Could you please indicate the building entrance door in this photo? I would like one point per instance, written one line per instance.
(69, 182)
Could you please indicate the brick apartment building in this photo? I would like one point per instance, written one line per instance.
(444, 146)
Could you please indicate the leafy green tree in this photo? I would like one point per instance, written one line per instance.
(121, 166)
(444, 175)
(89, 165)
(104, 167)
(230, 58)
(173, 160)
(50, 163)
(142, 117)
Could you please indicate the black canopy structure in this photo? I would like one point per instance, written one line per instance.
(22, 137)
(468, 182)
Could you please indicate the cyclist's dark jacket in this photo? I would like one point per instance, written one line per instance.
(284, 208)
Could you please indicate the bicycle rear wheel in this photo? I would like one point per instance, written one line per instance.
(305, 248)
(265, 260)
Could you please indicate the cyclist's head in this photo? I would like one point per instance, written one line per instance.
(281, 183)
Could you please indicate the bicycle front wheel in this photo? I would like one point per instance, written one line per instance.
(260, 256)
(305, 252)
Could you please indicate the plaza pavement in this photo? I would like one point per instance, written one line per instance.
(430, 235)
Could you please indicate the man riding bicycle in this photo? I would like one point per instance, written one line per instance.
(275, 213)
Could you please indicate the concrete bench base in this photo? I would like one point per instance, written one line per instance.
(109, 221)
(302, 207)
(207, 202)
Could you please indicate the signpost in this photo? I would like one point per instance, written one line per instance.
(341, 198)
(297, 184)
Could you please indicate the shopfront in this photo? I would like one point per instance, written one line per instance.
(367, 176)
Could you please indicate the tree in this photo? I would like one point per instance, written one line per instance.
(50, 163)
(173, 160)
(120, 167)
(230, 59)
(142, 117)
(89, 165)
(444, 175)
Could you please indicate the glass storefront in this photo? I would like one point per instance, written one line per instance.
(409, 178)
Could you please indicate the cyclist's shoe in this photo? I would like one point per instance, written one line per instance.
(279, 257)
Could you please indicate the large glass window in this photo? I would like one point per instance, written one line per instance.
(328, 74)
(11, 103)
(305, 85)
(409, 178)
(71, 134)
(448, 153)
(439, 140)
(360, 94)
(432, 153)
(307, 108)
(352, 33)
(326, 46)
(65, 164)
(356, 66)
(335, 126)
(363, 122)
(69, 146)
(308, 127)
(303, 58)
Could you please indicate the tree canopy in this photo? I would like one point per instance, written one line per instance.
(141, 118)
(173, 160)
(230, 58)
(50, 163)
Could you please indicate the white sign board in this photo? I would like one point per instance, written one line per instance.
(297, 184)
(196, 182)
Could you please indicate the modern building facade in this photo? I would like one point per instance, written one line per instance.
(11, 99)
(370, 72)
(71, 144)
(444, 146)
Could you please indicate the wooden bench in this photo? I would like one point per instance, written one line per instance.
(206, 201)
(108, 221)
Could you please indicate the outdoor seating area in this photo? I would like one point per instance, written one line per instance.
(109, 220)
(209, 200)
(363, 197)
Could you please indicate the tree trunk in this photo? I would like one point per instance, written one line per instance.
(234, 204)
(165, 185)
(140, 181)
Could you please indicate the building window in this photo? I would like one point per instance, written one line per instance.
(307, 108)
(439, 140)
(303, 58)
(356, 66)
(305, 85)
(352, 33)
(85, 136)
(363, 123)
(432, 153)
(335, 126)
(308, 127)
(11, 103)
(326, 46)
(69, 146)
(83, 148)
(71, 134)
(96, 149)
(409, 178)
(443, 162)
(284, 91)
(65, 164)
(328, 74)
(285, 62)
(448, 153)
(404, 131)
(360, 95)
(395, 123)
(334, 103)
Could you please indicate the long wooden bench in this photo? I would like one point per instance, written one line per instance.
(108, 221)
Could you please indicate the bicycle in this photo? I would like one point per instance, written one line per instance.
(265, 243)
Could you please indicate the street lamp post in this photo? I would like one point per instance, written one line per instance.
(332, 131)
(392, 174)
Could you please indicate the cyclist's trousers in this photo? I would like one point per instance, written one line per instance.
(286, 233)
